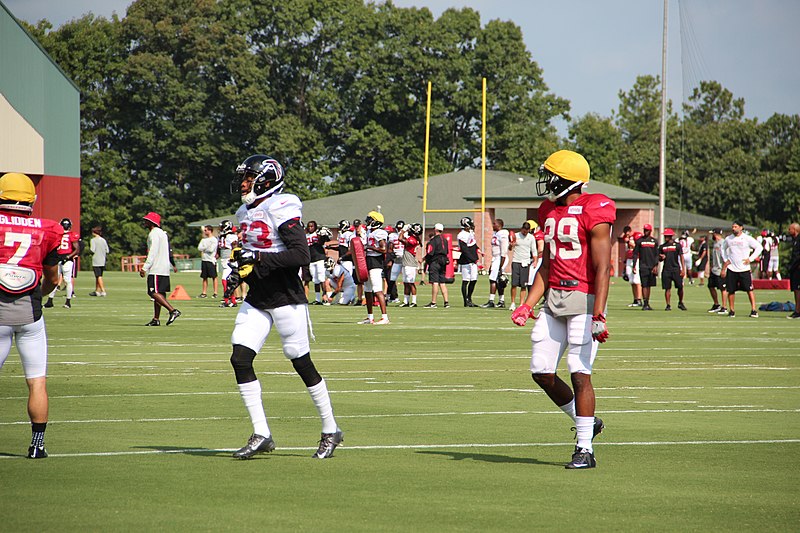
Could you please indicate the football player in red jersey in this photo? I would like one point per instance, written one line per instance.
(27, 257)
(68, 248)
(274, 247)
(574, 276)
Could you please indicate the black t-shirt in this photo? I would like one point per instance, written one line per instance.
(646, 251)
(671, 252)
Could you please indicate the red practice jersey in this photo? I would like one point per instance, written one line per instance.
(65, 242)
(566, 236)
(25, 244)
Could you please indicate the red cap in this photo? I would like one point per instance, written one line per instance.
(389, 229)
(153, 217)
(637, 235)
(648, 227)
(669, 231)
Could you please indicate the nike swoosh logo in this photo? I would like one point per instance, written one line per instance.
(292, 225)
(603, 204)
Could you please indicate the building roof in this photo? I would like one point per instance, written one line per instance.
(508, 193)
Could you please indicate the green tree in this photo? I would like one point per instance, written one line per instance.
(600, 142)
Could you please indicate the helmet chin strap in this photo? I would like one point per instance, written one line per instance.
(553, 197)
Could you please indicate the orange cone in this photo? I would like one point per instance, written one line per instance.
(179, 294)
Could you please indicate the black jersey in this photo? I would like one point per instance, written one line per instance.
(646, 251)
(670, 252)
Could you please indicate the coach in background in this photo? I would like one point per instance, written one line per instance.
(794, 268)
(208, 260)
(156, 267)
(645, 263)
(28, 256)
(736, 249)
(99, 248)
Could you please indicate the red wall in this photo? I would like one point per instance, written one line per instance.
(58, 197)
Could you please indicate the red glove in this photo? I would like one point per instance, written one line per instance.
(599, 330)
(521, 315)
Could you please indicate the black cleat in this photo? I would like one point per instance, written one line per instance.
(668, 308)
(37, 452)
(67, 305)
(431, 305)
(714, 308)
(255, 444)
(753, 314)
(646, 307)
(582, 458)
(681, 306)
(327, 443)
(487, 305)
(722, 311)
(48, 303)
(447, 305)
(501, 304)
(732, 314)
(173, 316)
(793, 316)
(599, 426)
(154, 322)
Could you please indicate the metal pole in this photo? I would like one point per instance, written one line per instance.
(662, 158)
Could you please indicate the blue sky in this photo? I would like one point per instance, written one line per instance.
(591, 49)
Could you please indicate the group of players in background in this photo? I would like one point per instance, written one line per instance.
(725, 260)
(394, 251)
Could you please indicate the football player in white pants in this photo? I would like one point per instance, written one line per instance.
(575, 276)
(341, 282)
(68, 248)
(375, 248)
(29, 267)
(274, 247)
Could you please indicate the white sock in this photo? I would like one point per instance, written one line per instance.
(413, 298)
(322, 401)
(585, 428)
(251, 396)
(405, 298)
(318, 296)
(371, 316)
(491, 297)
(384, 316)
(569, 409)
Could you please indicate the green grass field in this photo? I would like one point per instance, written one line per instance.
(444, 428)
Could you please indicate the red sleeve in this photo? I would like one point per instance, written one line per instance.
(600, 209)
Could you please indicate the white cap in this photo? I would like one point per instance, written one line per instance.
(438, 227)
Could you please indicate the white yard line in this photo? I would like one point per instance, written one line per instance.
(346, 448)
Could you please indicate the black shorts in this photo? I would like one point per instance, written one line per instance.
(794, 279)
(436, 272)
(208, 269)
(98, 271)
(157, 283)
(519, 275)
(715, 281)
(739, 281)
(647, 277)
(670, 277)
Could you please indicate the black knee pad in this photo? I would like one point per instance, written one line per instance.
(242, 362)
(306, 370)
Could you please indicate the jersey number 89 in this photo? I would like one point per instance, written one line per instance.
(567, 233)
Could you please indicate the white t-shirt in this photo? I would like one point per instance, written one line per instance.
(737, 249)
(523, 249)
(208, 249)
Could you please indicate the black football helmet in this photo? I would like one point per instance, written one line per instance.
(267, 177)
(467, 223)
(344, 225)
(66, 224)
(225, 227)
(400, 225)
(416, 229)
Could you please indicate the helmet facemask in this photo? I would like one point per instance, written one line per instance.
(265, 174)
(554, 186)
